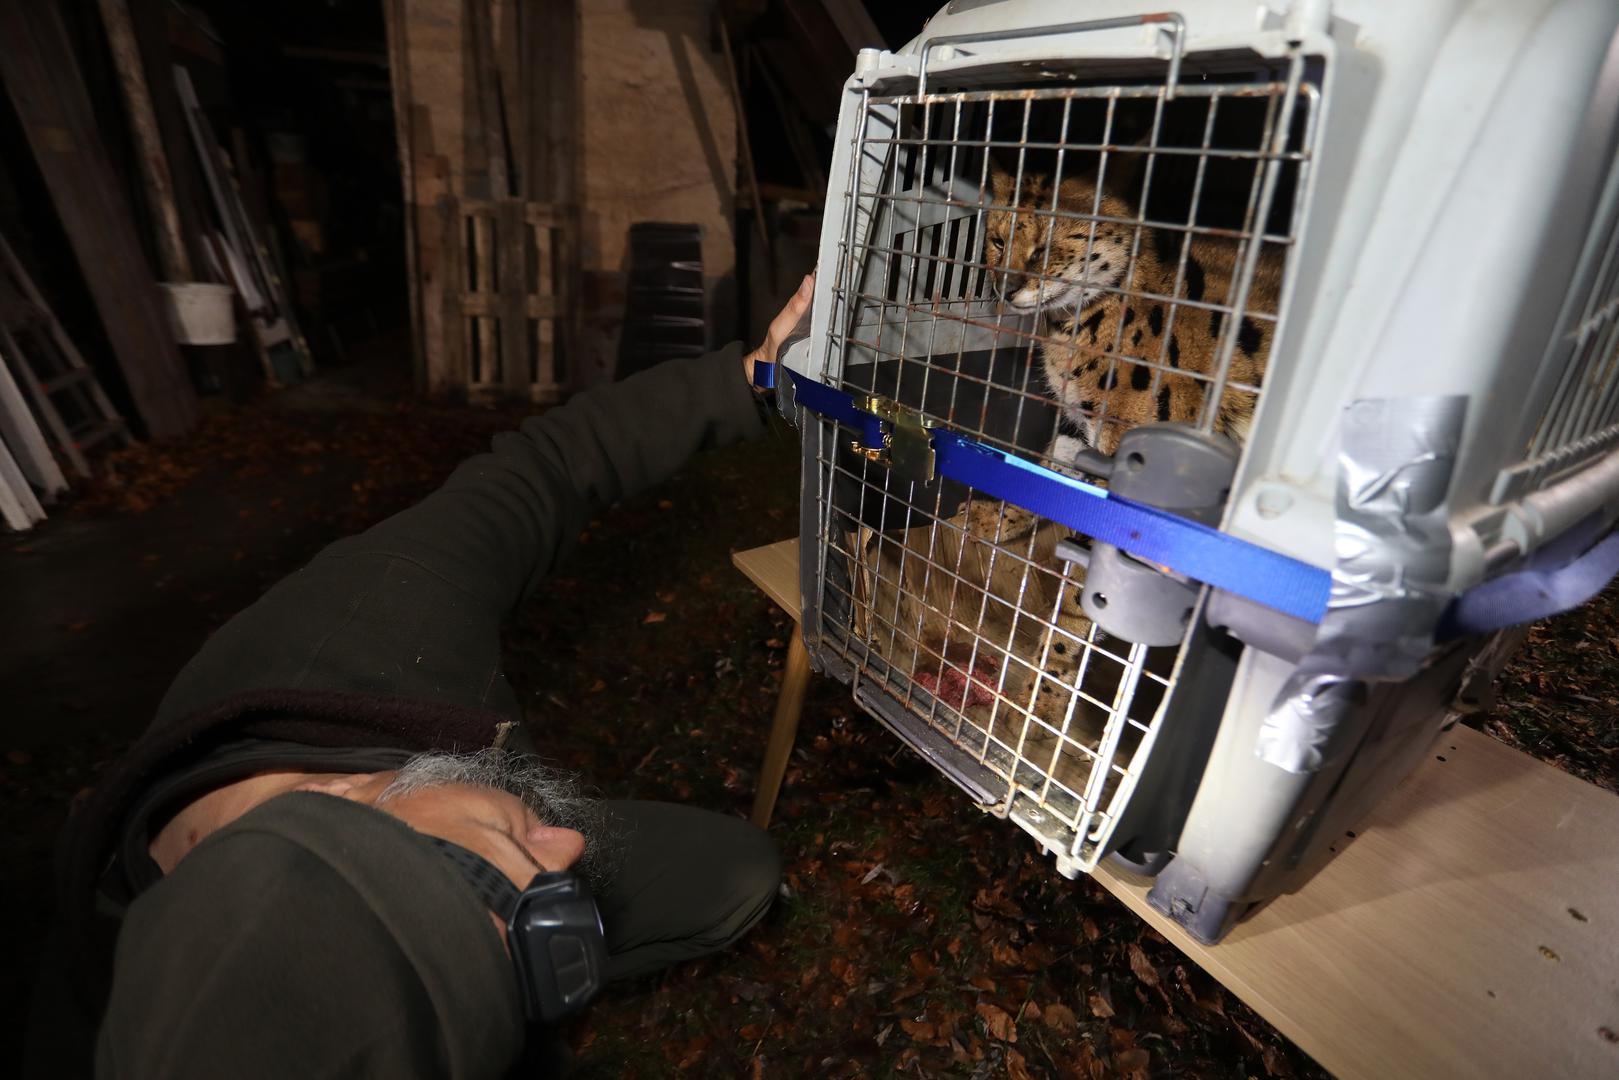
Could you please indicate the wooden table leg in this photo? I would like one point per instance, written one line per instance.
(783, 728)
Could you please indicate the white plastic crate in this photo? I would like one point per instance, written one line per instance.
(1339, 280)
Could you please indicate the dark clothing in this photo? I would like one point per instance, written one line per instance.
(389, 642)
(314, 936)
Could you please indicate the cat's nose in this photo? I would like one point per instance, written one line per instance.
(1005, 283)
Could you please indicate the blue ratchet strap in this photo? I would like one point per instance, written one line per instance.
(1208, 555)
(764, 375)
(1568, 572)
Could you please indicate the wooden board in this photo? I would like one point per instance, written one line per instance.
(39, 71)
(1470, 929)
(774, 568)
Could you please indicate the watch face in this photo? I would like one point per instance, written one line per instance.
(558, 946)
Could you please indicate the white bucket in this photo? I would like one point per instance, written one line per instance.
(201, 313)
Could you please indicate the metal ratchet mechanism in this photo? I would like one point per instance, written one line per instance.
(907, 449)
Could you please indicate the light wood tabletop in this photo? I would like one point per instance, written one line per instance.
(1470, 929)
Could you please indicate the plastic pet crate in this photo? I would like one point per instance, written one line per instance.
(1194, 404)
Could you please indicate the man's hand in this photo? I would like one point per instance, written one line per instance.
(781, 326)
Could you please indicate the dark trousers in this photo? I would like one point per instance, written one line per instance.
(690, 882)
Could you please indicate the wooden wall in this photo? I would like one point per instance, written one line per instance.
(659, 135)
(615, 111)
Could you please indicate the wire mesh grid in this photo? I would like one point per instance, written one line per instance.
(1581, 420)
(1040, 270)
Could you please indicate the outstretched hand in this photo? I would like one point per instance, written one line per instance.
(781, 326)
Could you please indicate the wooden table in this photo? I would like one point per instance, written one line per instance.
(1471, 929)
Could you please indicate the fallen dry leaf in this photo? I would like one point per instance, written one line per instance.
(920, 1030)
(1101, 1007)
(693, 1052)
(1060, 1018)
(997, 1022)
(1134, 1060)
(1142, 966)
(1016, 1069)
(653, 617)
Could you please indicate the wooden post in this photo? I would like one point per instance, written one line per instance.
(452, 284)
(742, 138)
(511, 231)
(394, 16)
(154, 163)
(551, 39)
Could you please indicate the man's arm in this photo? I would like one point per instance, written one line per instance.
(502, 520)
(413, 606)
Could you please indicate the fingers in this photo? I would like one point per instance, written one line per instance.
(786, 320)
(782, 325)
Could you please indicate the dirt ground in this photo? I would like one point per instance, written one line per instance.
(914, 935)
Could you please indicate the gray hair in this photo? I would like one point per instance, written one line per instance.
(556, 796)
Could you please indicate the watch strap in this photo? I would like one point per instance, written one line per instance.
(486, 879)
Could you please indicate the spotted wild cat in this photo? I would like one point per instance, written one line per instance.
(997, 627)
(1105, 297)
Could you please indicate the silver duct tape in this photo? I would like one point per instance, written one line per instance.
(1392, 559)
(1298, 730)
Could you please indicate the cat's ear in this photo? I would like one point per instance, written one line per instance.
(1002, 185)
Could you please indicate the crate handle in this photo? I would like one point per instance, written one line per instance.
(1168, 21)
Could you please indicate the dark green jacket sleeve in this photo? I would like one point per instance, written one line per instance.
(414, 605)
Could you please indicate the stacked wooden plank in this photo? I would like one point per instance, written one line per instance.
(41, 75)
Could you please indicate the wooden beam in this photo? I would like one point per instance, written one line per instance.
(150, 25)
(485, 172)
(511, 236)
(42, 78)
(751, 174)
(153, 162)
(511, 91)
(393, 12)
(454, 350)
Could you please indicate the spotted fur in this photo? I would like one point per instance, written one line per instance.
(978, 609)
(1115, 351)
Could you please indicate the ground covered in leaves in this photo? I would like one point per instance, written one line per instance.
(914, 936)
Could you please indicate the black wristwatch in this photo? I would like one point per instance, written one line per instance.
(553, 932)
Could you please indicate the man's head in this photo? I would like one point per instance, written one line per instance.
(297, 899)
(518, 813)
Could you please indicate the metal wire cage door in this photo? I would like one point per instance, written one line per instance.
(1043, 271)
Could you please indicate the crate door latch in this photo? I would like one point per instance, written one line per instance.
(907, 449)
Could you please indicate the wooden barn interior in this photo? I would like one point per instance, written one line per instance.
(269, 271)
